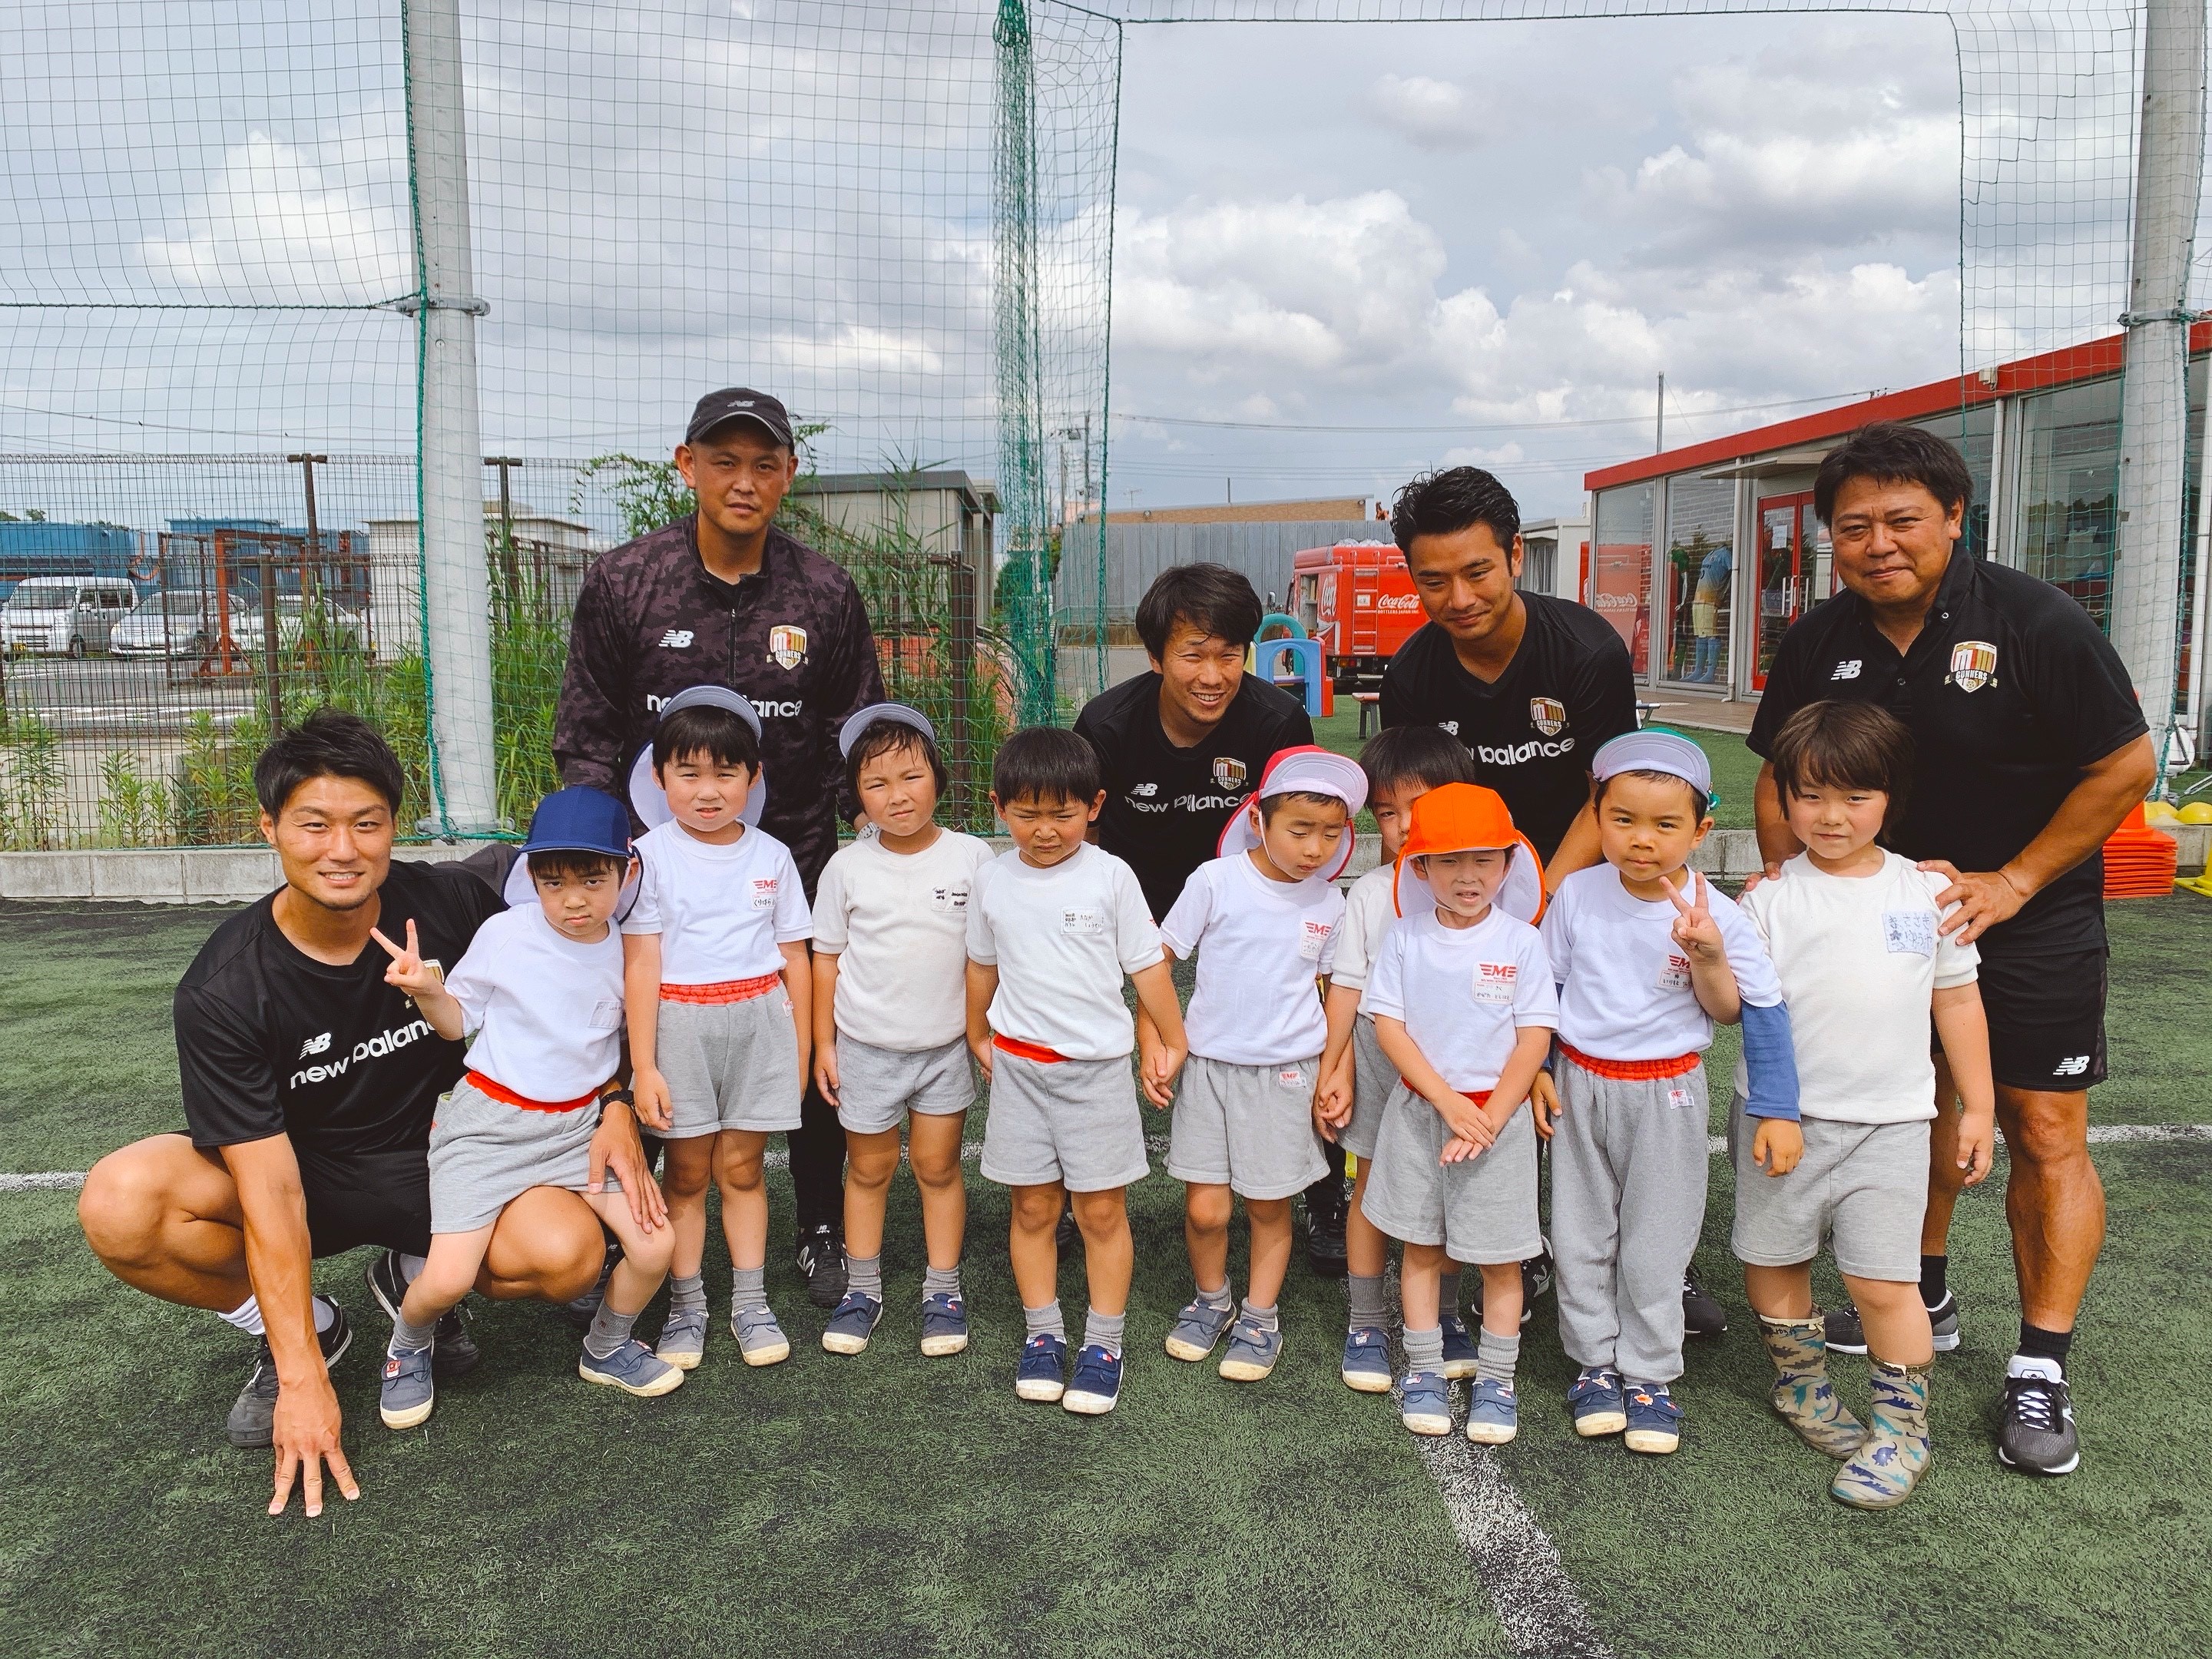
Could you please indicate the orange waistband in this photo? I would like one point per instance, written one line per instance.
(1021, 1050)
(1479, 1097)
(499, 1091)
(721, 990)
(1631, 1071)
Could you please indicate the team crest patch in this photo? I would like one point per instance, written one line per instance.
(1973, 665)
(786, 645)
(1229, 772)
(1548, 715)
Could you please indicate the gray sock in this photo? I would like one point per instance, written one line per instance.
(865, 1274)
(1424, 1349)
(1105, 1330)
(609, 1330)
(1495, 1356)
(411, 1338)
(1045, 1320)
(1217, 1299)
(940, 1281)
(1448, 1293)
(1266, 1318)
(748, 1289)
(1367, 1307)
(687, 1294)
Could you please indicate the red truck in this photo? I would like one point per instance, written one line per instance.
(1357, 599)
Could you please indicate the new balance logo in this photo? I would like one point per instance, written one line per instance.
(677, 638)
(315, 1045)
(2072, 1065)
(1144, 789)
(1848, 670)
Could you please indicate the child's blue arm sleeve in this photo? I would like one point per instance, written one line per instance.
(1771, 1059)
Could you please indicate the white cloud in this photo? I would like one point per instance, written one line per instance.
(1432, 114)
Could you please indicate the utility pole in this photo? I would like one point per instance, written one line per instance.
(2146, 596)
(1659, 423)
(310, 585)
(456, 596)
(509, 568)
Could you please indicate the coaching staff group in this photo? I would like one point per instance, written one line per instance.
(722, 597)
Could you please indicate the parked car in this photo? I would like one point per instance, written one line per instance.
(63, 616)
(182, 623)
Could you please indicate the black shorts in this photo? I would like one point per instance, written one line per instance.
(2046, 1014)
(366, 1198)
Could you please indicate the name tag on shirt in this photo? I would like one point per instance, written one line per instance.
(1674, 973)
(1909, 932)
(1082, 923)
(1494, 981)
(948, 901)
(764, 892)
(1316, 936)
(606, 1015)
(1290, 1078)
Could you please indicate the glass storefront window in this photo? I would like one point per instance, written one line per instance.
(1700, 568)
(2069, 490)
(1620, 567)
(1973, 433)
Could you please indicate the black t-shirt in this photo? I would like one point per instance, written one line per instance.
(271, 1041)
(2010, 692)
(1533, 731)
(1165, 806)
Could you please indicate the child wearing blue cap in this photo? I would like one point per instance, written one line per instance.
(1648, 955)
(540, 990)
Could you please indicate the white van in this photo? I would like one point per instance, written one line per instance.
(64, 616)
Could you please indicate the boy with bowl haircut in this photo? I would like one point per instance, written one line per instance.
(1648, 955)
(718, 990)
(891, 1022)
(540, 991)
(1263, 919)
(1053, 927)
(1464, 1006)
(1856, 936)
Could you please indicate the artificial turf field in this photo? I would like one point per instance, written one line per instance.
(889, 1505)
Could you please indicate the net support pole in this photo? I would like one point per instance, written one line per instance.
(2154, 396)
(456, 596)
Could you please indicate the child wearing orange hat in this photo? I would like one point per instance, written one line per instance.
(1465, 1008)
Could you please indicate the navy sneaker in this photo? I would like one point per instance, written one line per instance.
(1366, 1360)
(850, 1327)
(633, 1367)
(1594, 1401)
(1097, 1383)
(1655, 1421)
(1425, 1402)
(1459, 1348)
(1254, 1348)
(1493, 1416)
(254, 1414)
(408, 1393)
(944, 1324)
(1044, 1372)
(1197, 1329)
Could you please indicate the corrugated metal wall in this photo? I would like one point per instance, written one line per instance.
(1137, 551)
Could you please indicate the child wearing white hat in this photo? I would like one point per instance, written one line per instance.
(1263, 920)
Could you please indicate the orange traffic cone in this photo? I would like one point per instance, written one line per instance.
(2139, 860)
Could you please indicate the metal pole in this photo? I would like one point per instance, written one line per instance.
(456, 596)
(267, 562)
(2153, 395)
(510, 570)
(306, 464)
(1659, 422)
(2200, 647)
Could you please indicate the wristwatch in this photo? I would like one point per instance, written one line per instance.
(612, 1097)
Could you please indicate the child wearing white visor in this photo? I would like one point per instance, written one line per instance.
(1263, 920)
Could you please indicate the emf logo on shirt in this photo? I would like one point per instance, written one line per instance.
(764, 892)
(1973, 665)
(1548, 715)
(1229, 772)
(786, 645)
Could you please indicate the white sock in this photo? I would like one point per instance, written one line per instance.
(411, 1265)
(246, 1316)
(326, 1313)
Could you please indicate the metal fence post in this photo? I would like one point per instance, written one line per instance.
(456, 593)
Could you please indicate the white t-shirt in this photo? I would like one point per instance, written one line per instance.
(1260, 944)
(897, 923)
(1370, 913)
(1463, 992)
(546, 1010)
(1625, 991)
(720, 910)
(1859, 960)
(1061, 939)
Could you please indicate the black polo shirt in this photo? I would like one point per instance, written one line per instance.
(2010, 693)
(1532, 731)
(1166, 807)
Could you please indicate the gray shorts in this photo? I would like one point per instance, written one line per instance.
(1247, 1128)
(484, 1154)
(1864, 1185)
(729, 1066)
(1373, 1077)
(1073, 1122)
(878, 1087)
(1481, 1211)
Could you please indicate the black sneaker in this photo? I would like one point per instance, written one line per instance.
(454, 1352)
(822, 1264)
(585, 1308)
(1535, 1280)
(2038, 1435)
(253, 1414)
(1325, 1232)
(1067, 1236)
(1943, 1323)
(1701, 1313)
(1845, 1333)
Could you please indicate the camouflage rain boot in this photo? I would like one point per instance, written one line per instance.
(1885, 1470)
(1802, 1393)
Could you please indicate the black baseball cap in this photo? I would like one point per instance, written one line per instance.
(739, 402)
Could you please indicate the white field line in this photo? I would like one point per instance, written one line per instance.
(2100, 1134)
